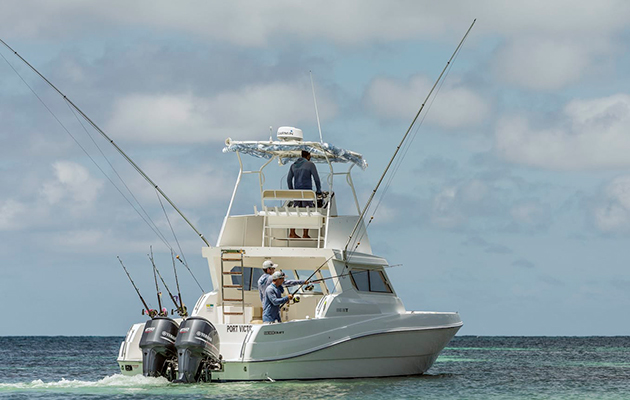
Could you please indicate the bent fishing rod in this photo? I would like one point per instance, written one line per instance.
(369, 202)
(150, 312)
(110, 140)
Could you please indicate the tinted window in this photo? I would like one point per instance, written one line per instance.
(377, 283)
(247, 277)
(370, 281)
(236, 279)
(360, 279)
(303, 275)
(329, 282)
(256, 274)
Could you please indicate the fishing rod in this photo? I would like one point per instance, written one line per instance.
(181, 310)
(310, 276)
(367, 205)
(102, 133)
(150, 312)
(162, 311)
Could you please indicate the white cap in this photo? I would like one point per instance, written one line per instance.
(268, 264)
(277, 275)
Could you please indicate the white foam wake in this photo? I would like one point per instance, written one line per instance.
(116, 380)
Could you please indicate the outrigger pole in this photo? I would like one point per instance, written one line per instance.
(99, 130)
(367, 205)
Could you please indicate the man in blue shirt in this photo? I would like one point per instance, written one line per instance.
(301, 175)
(265, 280)
(273, 298)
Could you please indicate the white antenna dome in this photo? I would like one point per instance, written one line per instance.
(286, 133)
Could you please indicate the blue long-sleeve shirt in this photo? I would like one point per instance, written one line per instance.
(300, 175)
(265, 280)
(272, 302)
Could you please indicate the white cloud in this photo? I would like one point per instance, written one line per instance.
(455, 105)
(546, 63)
(73, 182)
(612, 214)
(445, 212)
(11, 212)
(592, 134)
(244, 114)
(187, 186)
(348, 22)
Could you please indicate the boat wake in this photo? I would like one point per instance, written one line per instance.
(113, 381)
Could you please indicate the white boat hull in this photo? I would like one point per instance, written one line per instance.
(379, 355)
(327, 348)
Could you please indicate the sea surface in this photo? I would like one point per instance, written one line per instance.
(469, 368)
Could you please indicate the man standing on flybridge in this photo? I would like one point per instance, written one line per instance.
(302, 171)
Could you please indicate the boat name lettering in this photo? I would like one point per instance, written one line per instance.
(274, 332)
(342, 310)
(238, 328)
(168, 335)
(150, 329)
(204, 335)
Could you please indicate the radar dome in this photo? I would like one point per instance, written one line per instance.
(286, 133)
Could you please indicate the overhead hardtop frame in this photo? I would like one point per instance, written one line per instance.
(287, 151)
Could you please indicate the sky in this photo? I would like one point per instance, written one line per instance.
(511, 205)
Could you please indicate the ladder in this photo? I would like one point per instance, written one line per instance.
(229, 291)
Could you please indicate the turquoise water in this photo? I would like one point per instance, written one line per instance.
(469, 368)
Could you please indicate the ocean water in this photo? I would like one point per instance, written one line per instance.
(469, 368)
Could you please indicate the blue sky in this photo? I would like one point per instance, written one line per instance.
(512, 205)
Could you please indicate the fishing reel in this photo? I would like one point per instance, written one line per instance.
(308, 287)
(296, 299)
(151, 313)
(181, 311)
(322, 199)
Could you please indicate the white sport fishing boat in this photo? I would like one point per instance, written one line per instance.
(351, 324)
(348, 324)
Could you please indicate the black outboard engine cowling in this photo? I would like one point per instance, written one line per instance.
(158, 347)
(197, 350)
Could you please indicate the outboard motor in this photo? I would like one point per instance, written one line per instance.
(158, 347)
(197, 350)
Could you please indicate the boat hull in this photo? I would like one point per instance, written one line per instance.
(395, 353)
(329, 348)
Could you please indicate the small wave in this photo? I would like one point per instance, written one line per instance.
(113, 381)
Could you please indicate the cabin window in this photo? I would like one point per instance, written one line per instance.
(256, 274)
(370, 281)
(378, 283)
(250, 277)
(303, 275)
(361, 280)
(325, 273)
